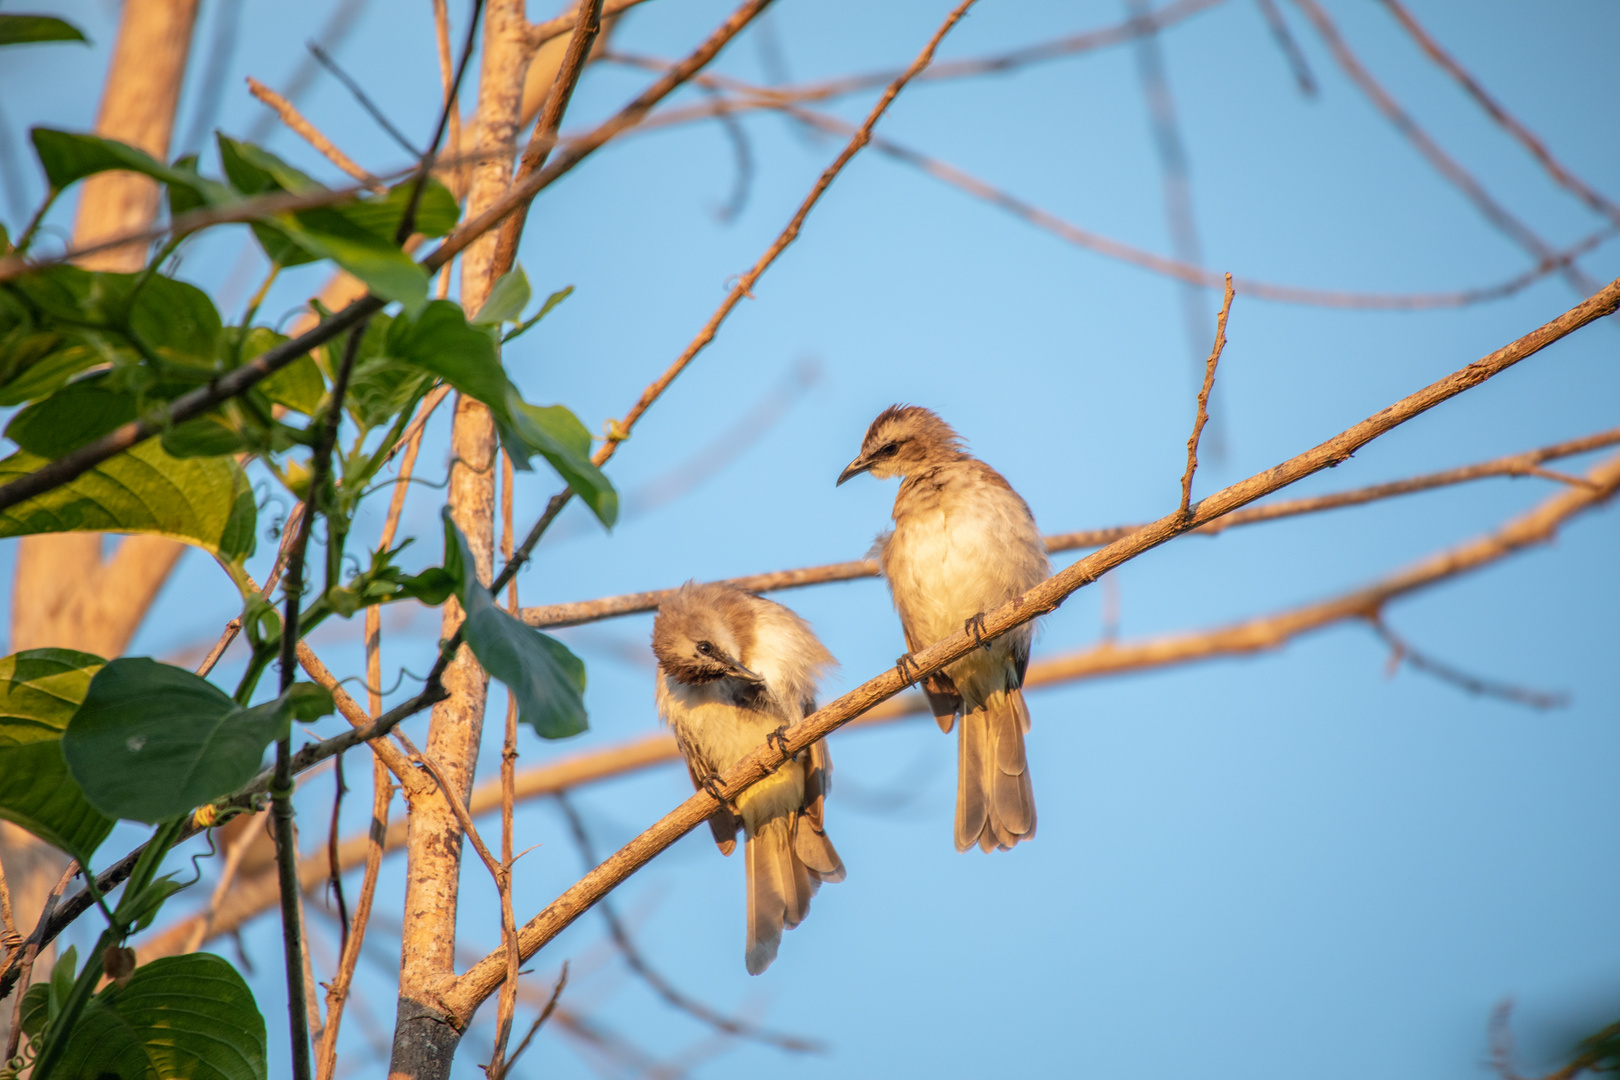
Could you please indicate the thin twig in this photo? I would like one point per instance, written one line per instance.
(281, 787)
(358, 92)
(619, 430)
(1198, 275)
(337, 994)
(11, 940)
(1493, 212)
(1561, 175)
(1402, 651)
(334, 880)
(311, 134)
(967, 68)
(1203, 397)
(425, 166)
(483, 978)
(545, 1014)
(1290, 48)
(661, 986)
(540, 33)
(507, 1008)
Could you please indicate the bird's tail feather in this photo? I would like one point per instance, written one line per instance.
(785, 860)
(995, 804)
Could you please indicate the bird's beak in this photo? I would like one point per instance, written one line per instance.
(743, 673)
(856, 467)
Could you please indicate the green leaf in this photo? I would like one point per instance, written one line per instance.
(40, 689)
(69, 157)
(432, 586)
(299, 385)
(25, 29)
(506, 301)
(545, 309)
(177, 321)
(205, 502)
(180, 1018)
(40, 364)
(69, 418)
(153, 741)
(546, 678)
(387, 270)
(253, 170)
(380, 389)
(209, 435)
(440, 340)
(436, 212)
(558, 436)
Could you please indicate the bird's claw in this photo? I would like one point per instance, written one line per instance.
(975, 626)
(711, 784)
(907, 667)
(778, 741)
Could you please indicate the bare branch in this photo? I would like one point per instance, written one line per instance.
(1401, 651)
(311, 134)
(1493, 212)
(1290, 48)
(1562, 176)
(1203, 396)
(545, 1013)
(482, 979)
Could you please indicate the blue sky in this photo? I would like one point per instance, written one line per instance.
(1243, 867)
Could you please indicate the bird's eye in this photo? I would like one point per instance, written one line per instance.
(705, 648)
(890, 450)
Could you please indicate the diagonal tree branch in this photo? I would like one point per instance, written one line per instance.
(483, 978)
(1249, 637)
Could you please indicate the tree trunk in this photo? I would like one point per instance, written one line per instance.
(424, 1039)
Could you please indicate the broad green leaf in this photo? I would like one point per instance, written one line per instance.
(25, 29)
(43, 363)
(558, 436)
(387, 271)
(506, 301)
(177, 321)
(40, 689)
(209, 435)
(153, 741)
(436, 212)
(298, 386)
(205, 502)
(180, 1018)
(253, 170)
(546, 678)
(69, 418)
(69, 157)
(440, 340)
(380, 389)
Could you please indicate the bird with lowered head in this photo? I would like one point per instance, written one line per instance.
(735, 670)
(963, 542)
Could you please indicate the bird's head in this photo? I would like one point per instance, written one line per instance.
(903, 440)
(698, 636)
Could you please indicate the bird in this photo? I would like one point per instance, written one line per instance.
(736, 670)
(963, 542)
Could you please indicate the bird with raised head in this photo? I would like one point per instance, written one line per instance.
(963, 542)
(734, 671)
